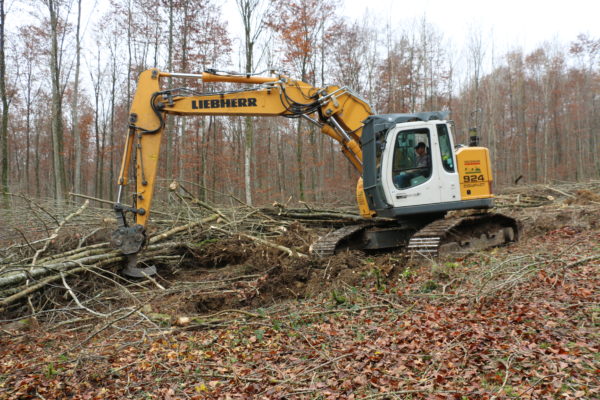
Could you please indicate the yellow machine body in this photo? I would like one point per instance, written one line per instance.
(361, 200)
(475, 173)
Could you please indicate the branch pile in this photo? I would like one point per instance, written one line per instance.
(43, 247)
(578, 193)
(71, 240)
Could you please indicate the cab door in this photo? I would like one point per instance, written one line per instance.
(449, 183)
(406, 180)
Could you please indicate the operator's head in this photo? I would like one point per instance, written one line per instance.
(420, 148)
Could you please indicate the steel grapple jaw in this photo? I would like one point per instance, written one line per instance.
(130, 240)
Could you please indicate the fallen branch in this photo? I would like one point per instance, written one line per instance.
(74, 297)
(46, 269)
(108, 325)
(176, 185)
(287, 250)
(182, 228)
(578, 262)
(34, 288)
(83, 196)
(112, 203)
(57, 230)
(559, 191)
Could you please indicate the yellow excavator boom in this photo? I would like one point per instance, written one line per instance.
(337, 111)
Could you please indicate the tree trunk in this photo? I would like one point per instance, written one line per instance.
(60, 181)
(97, 166)
(252, 31)
(184, 67)
(5, 103)
(280, 165)
(75, 108)
(169, 120)
(113, 93)
(201, 151)
(36, 162)
(300, 160)
(249, 133)
(129, 52)
(28, 125)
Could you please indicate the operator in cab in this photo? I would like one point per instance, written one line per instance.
(423, 160)
(422, 167)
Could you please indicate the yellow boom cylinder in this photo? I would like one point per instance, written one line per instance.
(208, 77)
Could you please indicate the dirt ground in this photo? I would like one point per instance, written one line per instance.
(232, 318)
(275, 277)
(239, 273)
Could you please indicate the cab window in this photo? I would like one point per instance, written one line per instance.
(445, 147)
(411, 162)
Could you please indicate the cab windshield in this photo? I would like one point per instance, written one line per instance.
(412, 161)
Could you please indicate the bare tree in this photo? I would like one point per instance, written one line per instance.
(75, 106)
(5, 103)
(252, 13)
(60, 179)
(301, 26)
(170, 120)
(476, 52)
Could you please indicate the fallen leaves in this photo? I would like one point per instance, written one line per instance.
(536, 338)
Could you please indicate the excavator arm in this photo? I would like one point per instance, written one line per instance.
(337, 111)
(458, 180)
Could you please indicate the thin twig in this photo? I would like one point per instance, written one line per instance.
(64, 281)
(57, 230)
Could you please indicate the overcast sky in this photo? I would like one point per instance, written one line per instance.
(511, 23)
(508, 24)
(522, 23)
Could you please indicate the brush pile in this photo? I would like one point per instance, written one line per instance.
(42, 244)
(43, 247)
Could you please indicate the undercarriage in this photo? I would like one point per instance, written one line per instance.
(429, 235)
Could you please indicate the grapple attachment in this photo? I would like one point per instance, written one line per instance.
(130, 240)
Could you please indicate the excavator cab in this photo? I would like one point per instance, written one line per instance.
(409, 166)
(412, 174)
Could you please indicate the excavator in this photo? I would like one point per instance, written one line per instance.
(412, 175)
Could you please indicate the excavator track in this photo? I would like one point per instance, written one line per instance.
(328, 244)
(463, 234)
(450, 235)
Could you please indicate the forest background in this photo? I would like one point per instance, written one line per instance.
(67, 82)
